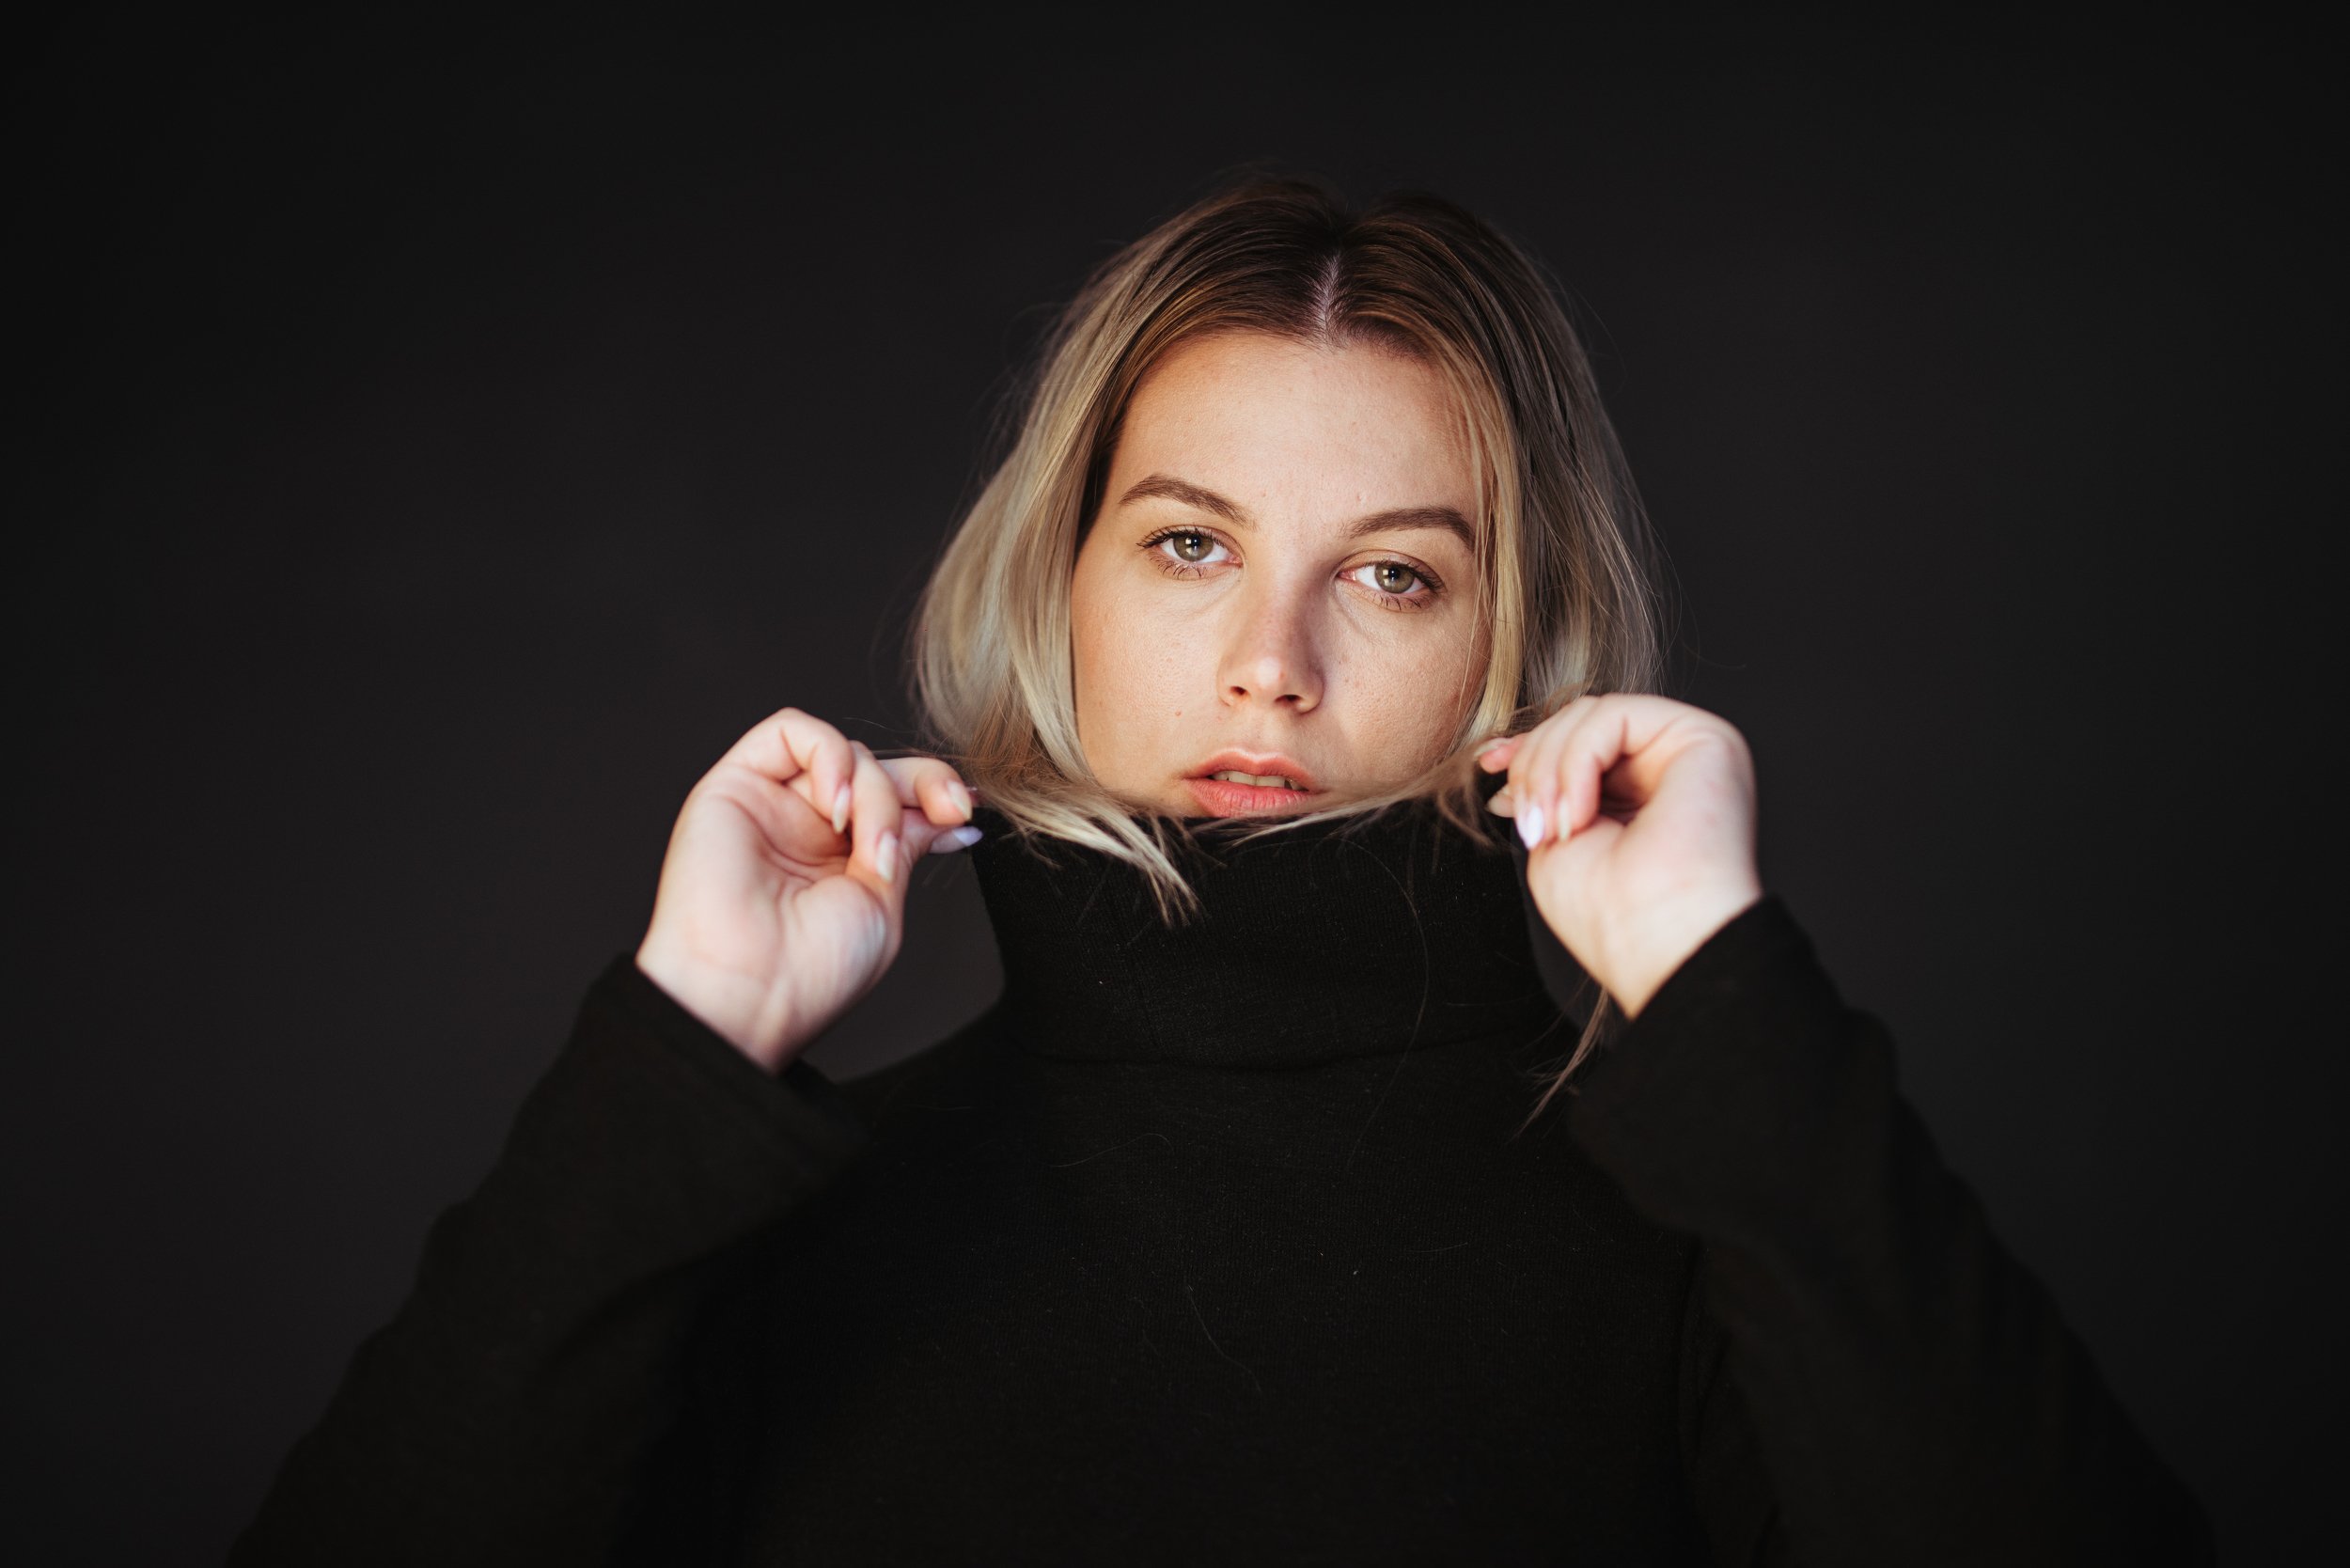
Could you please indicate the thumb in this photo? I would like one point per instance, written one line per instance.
(923, 837)
(898, 852)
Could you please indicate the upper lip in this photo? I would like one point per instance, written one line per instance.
(1271, 764)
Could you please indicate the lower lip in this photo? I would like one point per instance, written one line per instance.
(1221, 797)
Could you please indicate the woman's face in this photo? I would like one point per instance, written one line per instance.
(1280, 581)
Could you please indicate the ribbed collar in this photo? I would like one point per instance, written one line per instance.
(1326, 942)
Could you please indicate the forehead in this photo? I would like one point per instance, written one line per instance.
(1299, 430)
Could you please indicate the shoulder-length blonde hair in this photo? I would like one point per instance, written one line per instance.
(1569, 577)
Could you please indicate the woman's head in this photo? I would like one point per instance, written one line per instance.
(1330, 490)
(1280, 579)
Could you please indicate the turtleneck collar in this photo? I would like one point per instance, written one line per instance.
(1334, 940)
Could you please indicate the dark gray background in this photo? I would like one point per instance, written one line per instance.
(445, 444)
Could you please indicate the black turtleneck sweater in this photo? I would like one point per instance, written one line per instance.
(1220, 1245)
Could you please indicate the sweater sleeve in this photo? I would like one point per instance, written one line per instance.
(509, 1412)
(1911, 1390)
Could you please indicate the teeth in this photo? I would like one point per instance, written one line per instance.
(1271, 781)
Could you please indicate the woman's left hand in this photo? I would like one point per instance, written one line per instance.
(1639, 813)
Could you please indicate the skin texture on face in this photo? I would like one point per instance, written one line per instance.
(1272, 572)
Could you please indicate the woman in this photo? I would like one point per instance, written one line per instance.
(1233, 1231)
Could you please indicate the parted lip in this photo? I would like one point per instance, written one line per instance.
(1264, 765)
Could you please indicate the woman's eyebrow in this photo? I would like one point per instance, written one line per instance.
(1166, 487)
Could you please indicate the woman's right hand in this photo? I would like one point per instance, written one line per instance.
(782, 897)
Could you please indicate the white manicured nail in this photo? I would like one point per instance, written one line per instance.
(1531, 825)
(841, 810)
(955, 838)
(962, 797)
(886, 853)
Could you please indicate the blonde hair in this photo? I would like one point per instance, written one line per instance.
(1569, 576)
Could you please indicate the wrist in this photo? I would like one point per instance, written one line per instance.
(1666, 939)
(732, 1006)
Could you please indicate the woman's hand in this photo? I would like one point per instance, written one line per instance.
(782, 897)
(1639, 813)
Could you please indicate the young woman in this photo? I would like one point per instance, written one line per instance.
(1233, 1232)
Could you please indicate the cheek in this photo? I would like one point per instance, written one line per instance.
(1138, 659)
(1135, 668)
(1407, 695)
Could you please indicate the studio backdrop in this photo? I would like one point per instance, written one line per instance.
(443, 444)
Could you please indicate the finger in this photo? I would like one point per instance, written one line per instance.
(794, 748)
(877, 836)
(1534, 773)
(1574, 772)
(920, 836)
(1608, 738)
(1494, 754)
(1598, 746)
(931, 787)
(951, 839)
(1617, 741)
(938, 821)
(1533, 789)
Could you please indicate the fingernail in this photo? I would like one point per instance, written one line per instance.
(841, 810)
(1531, 825)
(955, 838)
(1497, 742)
(886, 853)
(1503, 802)
(962, 797)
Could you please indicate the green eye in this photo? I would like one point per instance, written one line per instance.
(1394, 577)
(1191, 546)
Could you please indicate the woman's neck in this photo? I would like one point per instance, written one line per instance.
(1325, 941)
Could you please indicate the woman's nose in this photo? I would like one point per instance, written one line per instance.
(1270, 656)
